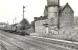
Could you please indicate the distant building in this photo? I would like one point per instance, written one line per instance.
(76, 22)
(55, 17)
(2, 25)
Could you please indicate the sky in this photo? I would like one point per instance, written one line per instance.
(12, 9)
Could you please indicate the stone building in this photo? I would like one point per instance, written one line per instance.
(2, 25)
(76, 22)
(55, 17)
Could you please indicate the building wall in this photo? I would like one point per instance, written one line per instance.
(67, 18)
(52, 20)
(76, 23)
(39, 28)
(42, 30)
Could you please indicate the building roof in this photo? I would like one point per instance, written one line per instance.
(63, 7)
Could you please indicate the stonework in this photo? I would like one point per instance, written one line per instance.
(54, 16)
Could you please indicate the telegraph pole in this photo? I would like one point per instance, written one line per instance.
(23, 11)
(58, 16)
(13, 21)
(7, 22)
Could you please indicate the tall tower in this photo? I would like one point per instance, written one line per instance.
(53, 8)
(53, 11)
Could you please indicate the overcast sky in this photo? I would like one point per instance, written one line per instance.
(9, 9)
